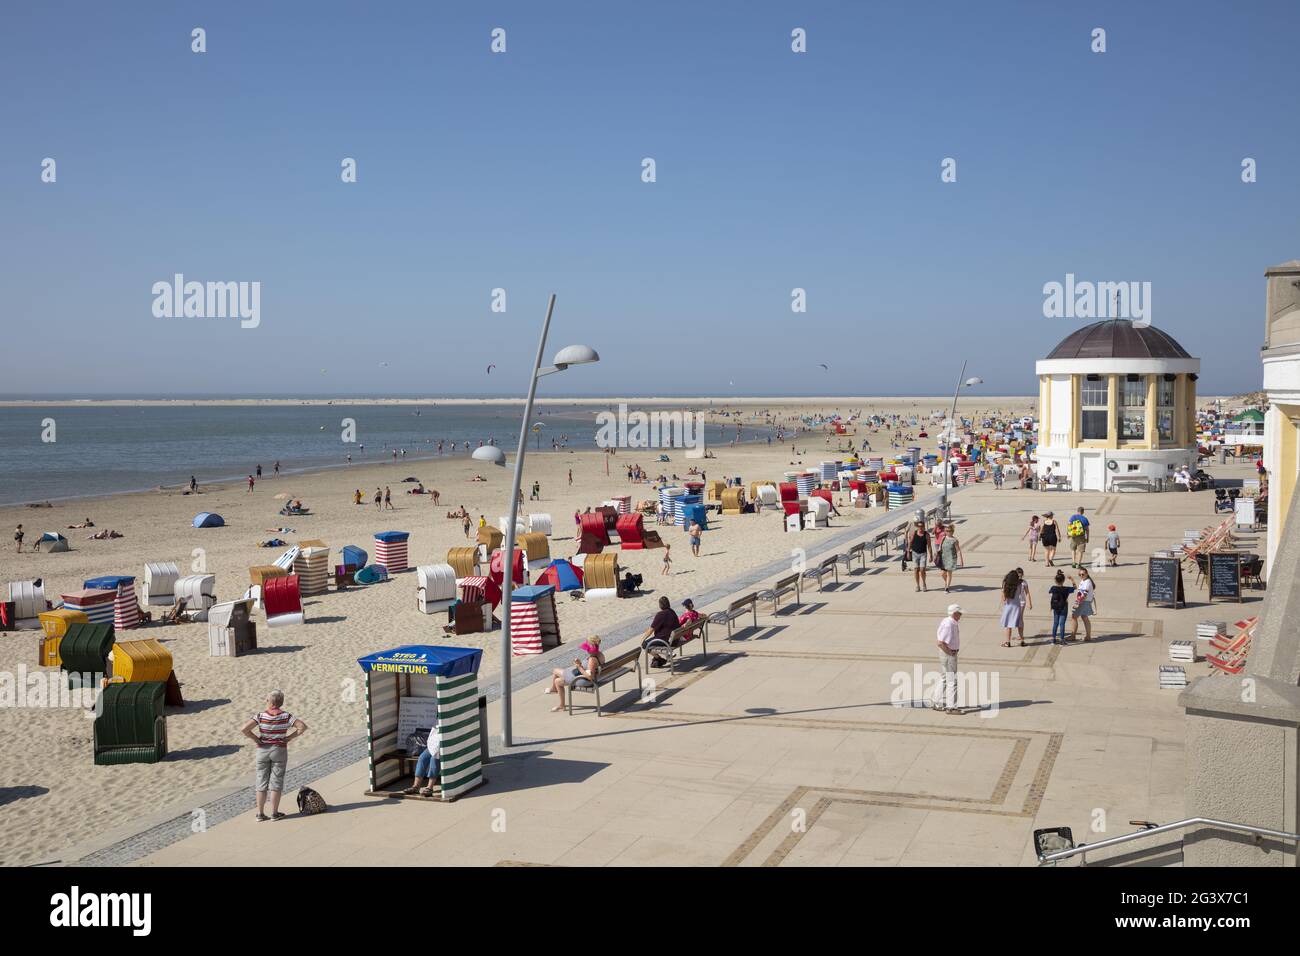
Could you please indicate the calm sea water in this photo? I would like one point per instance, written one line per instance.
(102, 450)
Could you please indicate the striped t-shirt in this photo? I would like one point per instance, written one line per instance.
(272, 726)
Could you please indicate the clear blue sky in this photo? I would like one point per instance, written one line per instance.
(522, 171)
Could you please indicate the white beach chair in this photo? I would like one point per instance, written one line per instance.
(160, 583)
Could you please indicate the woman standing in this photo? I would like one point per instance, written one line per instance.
(1049, 533)
(1085, 604)
(1026, 602)
(950, 556)
(1032, 533)
(1010, 615)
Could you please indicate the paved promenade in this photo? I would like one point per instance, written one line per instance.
(797, 743)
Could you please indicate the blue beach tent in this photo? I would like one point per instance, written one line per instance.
(206, 519)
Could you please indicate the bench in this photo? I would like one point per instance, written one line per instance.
(879, 541)
(614, 668)
(828, 566)
(1057, 483)
(786, 585)
(1121, 484)
(858, 551)
(737, 609)
(677, 640)
(897, 535)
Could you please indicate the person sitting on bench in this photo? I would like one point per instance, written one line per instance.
(587, 669)
(660, 630)
(689, 615)
(426, 766)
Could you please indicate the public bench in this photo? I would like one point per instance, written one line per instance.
(615, 667)
(677, 641)
(737, 609)
(784, 586)
(828, 566)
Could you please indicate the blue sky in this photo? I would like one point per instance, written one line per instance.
(522, 171)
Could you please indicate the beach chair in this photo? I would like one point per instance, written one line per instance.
(160, 583)
(631, 532)
(282, 601)
(199, 591)
(436, 589)
(28, 599)
(231, 629)
(131, 726)
(539, 523)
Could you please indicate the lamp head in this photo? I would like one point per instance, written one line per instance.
(575, 355)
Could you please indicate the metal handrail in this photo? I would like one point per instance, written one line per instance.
(1084, 848)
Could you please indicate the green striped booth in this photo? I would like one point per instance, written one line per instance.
(437, 680)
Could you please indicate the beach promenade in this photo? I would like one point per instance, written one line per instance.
(789, 746)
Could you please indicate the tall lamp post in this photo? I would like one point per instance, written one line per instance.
(570, 355)
(952, 435)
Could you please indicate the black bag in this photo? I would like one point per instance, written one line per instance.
(310, 802)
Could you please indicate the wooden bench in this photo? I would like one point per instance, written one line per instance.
(828, 566)
(614, 668)
(784, 586)
(737, 609)
(678, 640)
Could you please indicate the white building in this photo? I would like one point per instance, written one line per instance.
(1116, 401)
(1281, 356)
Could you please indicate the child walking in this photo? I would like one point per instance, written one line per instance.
(1032, 534)
(1112, 546)
(668, 559)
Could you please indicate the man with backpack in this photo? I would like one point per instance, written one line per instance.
(1077, 531)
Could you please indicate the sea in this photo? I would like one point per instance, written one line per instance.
(99, 449)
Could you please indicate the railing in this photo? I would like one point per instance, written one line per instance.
(1083, 849)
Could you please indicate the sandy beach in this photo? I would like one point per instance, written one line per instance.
(55, 795)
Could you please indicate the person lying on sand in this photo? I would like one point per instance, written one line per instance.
(478, 478)
(85, 524)
(103, 535)
(280, 530)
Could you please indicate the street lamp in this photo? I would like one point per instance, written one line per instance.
(569, 355)
(952, 434)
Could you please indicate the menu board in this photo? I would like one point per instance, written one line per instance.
(415, 713)
(1165, 582)
(1225, 576)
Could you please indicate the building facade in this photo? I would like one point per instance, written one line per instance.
(1116, 401)
(1281, 357)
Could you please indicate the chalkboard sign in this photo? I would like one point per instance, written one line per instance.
(1225, 576)
(1165, 582)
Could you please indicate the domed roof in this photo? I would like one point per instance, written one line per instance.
(1118, 338)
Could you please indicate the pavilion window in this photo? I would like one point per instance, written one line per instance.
(1133, 409)
(1094, 402)
(1165, 407)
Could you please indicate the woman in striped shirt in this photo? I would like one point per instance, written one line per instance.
(275, 728)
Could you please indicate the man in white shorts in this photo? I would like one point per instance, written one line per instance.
(949, 641)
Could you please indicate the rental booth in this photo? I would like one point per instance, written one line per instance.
(411, 689)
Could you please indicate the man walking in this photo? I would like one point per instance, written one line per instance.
(949, 642)
(1077, 531)
(918, 544)
(275, 728)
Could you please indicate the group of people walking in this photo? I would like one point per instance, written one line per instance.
(925, 546)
